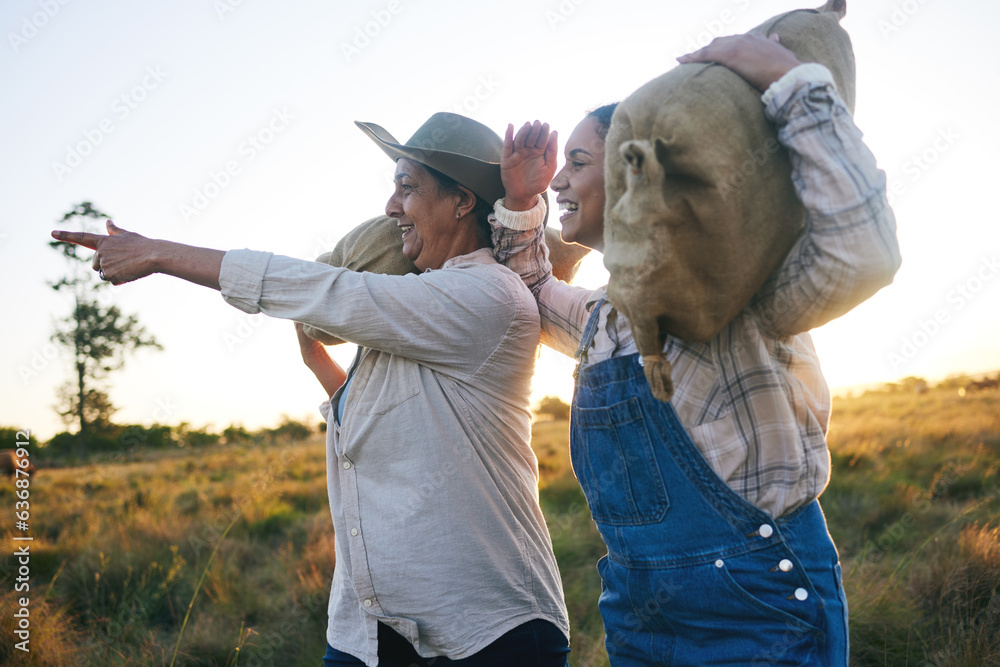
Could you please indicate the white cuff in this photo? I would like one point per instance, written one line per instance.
(520, 220)
(241, 278)
(804, 73)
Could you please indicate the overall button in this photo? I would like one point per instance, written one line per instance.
(765, 531)
(354, 532)
(347, 465)
(801, 594)
(785, 565)
(719, 563)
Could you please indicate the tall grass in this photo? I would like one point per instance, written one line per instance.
(132, 540)
(913, 504)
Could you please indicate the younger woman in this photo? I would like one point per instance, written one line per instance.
(718, 552)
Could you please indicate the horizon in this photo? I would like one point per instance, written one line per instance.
(835, 392)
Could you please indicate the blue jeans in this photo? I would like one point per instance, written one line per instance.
(536, 643)
(695, 574)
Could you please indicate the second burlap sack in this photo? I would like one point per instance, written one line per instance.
(700, 203)
(377, 245)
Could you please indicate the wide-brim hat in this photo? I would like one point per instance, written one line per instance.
(458, 147)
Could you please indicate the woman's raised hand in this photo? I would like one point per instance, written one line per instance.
(528, 164)
(758, 59)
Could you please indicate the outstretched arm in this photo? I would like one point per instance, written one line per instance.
(124, 256)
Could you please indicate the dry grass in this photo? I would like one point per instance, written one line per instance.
(129, 542)
(912, 504)
(119, 548)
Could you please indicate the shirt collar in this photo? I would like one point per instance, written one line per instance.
(481, 256)
(596, 295)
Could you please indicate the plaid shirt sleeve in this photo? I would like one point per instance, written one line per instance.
(848, 250)
(519, 244)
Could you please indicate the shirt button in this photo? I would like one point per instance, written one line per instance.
(765, 530)
(801, 594)
(719, 563)
(354, 532)
(785, 565)
(368, 603)
(347, 465)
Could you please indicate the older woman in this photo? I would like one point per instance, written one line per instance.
(442, 550)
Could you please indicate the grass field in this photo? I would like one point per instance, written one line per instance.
(121, 547)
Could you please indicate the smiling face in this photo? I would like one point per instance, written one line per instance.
(580, 186)
(429, 219)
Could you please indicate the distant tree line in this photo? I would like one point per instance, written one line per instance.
(961, 382)
(552, 407)
(126, 439)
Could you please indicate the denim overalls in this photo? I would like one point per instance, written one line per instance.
(695, 575)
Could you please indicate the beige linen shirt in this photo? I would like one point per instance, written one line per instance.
(754, 399)
(433, 485)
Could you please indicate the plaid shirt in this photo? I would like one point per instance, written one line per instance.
(754, 399)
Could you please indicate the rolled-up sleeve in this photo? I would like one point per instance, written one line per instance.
(519, 244)
(241, 278)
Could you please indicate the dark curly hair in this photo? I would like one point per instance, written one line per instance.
(603, 115)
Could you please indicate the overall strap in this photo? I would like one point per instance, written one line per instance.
(587, 339)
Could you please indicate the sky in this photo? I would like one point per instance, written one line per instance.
(229, 124)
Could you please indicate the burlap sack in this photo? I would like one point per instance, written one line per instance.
(375, 245)
(702, 208)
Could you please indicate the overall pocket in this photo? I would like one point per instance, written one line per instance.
(614, 460)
